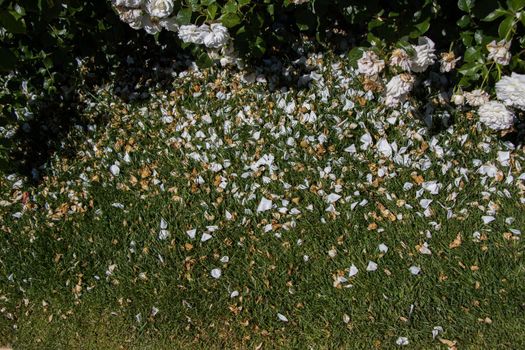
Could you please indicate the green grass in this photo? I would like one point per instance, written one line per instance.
(474, 291)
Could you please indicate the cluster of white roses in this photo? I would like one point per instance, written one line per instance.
(155, 15)
(420, 58)
(510, 90)
(498, 115)
(150, 15)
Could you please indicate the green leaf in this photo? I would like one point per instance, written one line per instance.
(10, 22)
(465, 5)
(464, 21)
(375, 23)
(423, 27)
(470, 69)
(506, 27)
(230, 7)
(515, 5)
(355, 54)
(212, 10)
(497, 13)
(230, 20)
(183, 16)
(7, 59)
(473, 54)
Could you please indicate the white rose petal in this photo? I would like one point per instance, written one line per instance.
(415, 270)
(353, 271)
(383, 248)
(372, 266)
(264, 205)
(401, 341)
(488, 219)
(332, 198)
(384, 148)
(216, 273)
(114, 169)
(425, 203)
(282, 317)
(191, 233)
(205, 237)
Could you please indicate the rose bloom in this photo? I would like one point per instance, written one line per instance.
(477, 98)
(369, 64)
(511, 90)
(458, 99)
(159, 8)
(448, 62)
(193, 34)
(398, 88)
(496, 116)
(499, 52)
(400, 58)
(424, 55)
(217, 37)
(128, 3)
(133, 17)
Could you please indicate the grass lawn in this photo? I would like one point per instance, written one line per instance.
(224, 214)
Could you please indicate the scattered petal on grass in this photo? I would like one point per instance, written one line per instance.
(401, 341)
(205, 237)
(282, 317)
(415, 270)
(216, 273)
(114, 169)
(372, 266)
(191, 233)
(264, 205)
(353, 271)
(488, 219)
(436, 330)
(425, 203)
(332, 198)
(424, 249)
(383, 248)
(164, 234)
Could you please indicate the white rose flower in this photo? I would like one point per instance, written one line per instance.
(424, 55)
(496, 116)
(458, 99)
(169, 24)
(511, 90)
(133, 17)
(499, 52)
(369, 64)
(448, 62)
(193, 34)
(398, 88)
(151, 26)
(229, 56)
(477, 98)
(400, 59)
(159, 8)
(217, 37)
(128, 3)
